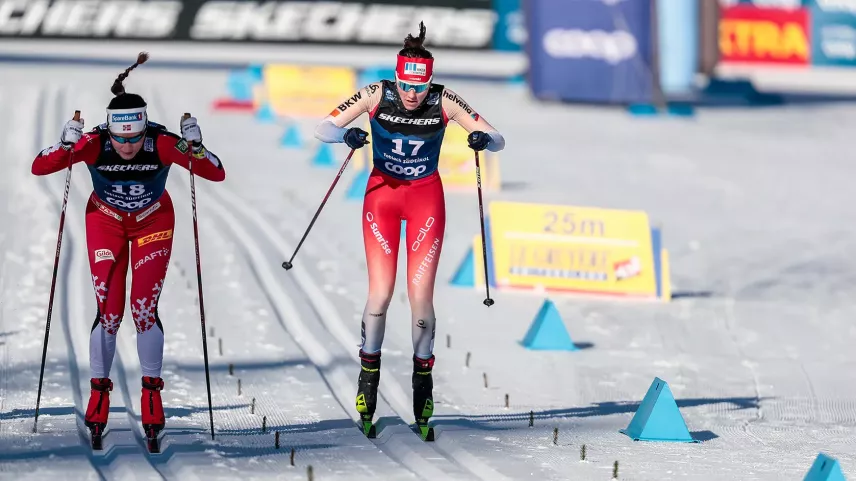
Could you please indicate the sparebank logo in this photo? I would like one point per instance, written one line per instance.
(135, 117)
(611, 47)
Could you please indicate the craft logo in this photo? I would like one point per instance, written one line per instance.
(104, 255)
(131, 117)
(414, 68)
(765, 35)
(157, 236)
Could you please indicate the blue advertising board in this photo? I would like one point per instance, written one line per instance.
(596, 51)
(510, 33)
(833, 32)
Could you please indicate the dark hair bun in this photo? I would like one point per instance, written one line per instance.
(411, 42)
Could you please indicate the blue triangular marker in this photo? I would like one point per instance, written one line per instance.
(324, 156)
(265, 114)
(291, 137)
(548, 332)
(240, 85)
(357, 189)
(465, 276)
(642, 109)
(824, 468)
(658, 417)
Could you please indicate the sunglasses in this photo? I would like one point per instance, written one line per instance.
(419, 88)
(127, 140)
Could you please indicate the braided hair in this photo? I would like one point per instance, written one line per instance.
(122, 99)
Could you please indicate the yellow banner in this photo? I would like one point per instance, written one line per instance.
(575, 249)
(305, 91)
(457, 163)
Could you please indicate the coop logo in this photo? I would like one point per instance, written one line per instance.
(423, 231)
(376, 231)
(611, 47)
(104, 255)
(411, 171)
(157, 236)
(766, 35)
(131, 117)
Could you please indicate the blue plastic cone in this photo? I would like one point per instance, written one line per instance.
(291, 137)
(358, 186)
(548, 332)
(324, 156)
(658, 417)
(465, 276)
(824, 468)
(265, 114)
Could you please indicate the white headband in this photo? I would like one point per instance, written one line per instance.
(127, 121)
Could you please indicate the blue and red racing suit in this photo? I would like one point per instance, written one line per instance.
(404, 185)
(129, 222)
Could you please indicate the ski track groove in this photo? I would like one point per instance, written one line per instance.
(274, 414)
(332, 322)
(64, 297)
(334, 378)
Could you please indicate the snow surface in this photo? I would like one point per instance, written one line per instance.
(756, 207)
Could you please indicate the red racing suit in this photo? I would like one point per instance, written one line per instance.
(129, 222)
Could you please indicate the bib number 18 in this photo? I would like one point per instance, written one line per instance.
(135, 189)
(399, 143)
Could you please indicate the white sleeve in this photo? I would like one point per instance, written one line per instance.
(497, 141)
(328, 132)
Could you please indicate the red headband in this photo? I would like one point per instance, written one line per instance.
(415, 70)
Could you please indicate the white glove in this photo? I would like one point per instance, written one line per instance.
(72, 132)
(190, 131)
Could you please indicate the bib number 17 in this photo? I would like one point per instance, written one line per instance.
(399, 143)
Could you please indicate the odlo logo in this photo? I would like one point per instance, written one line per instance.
(373, 225)
(423, 231)
(405, 170)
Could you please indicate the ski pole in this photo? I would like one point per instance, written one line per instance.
(53, 279)
(288, 264)
(488, 301)
(199, 283)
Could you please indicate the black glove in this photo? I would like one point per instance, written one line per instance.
(355, 137)
(478, 140)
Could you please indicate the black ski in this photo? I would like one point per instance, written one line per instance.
(152, 441)
(96, 434)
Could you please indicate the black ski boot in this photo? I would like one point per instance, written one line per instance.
(423, 397)
(367, 391)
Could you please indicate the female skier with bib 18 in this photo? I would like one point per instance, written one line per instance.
(129, 222)
(408, 119)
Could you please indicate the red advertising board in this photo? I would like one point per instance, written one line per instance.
(764, 35)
